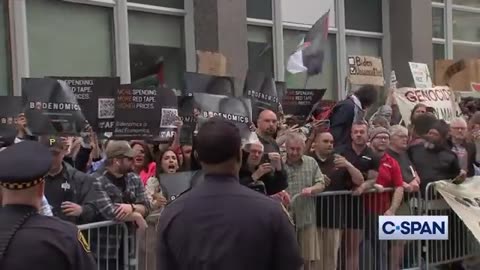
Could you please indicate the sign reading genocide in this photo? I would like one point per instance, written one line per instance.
(144, 113)
(439, 98)
(96, 97)
(299, 102)
(51, 107)
(365, 70)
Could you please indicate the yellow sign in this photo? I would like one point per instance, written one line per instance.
(83, 242)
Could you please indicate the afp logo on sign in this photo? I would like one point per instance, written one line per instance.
(413, 227)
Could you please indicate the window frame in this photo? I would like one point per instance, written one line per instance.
(449, 42)
(19, 37)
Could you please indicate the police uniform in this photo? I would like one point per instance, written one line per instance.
(29, 240)
(221, 224)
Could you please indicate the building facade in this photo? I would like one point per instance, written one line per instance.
(129, 38)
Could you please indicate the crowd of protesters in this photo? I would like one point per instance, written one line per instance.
(93, 180)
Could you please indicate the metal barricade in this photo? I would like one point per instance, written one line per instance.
(147, 243)
(338, 230)
(109, 243)
(461, 244)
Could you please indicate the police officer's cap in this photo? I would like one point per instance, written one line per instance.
(23, 165)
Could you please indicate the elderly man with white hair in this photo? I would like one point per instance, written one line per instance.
(305, 179)
(465, 151)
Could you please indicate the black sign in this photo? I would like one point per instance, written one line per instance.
(175, 184)
(51, 107)
(299, 102)
(186, 111)
(145, 113)
(261, 89)
(10, 108)
(235, 109)
(96, 97)
(203, 83)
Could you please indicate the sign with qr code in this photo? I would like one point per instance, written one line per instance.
(145, 113)
(235, 109)
(210, 84)
(96, 97)
(261, 90)
(51, 107)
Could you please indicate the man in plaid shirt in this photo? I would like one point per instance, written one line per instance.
(123, 200)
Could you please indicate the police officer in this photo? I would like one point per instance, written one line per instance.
(29, 240)
(221, 224)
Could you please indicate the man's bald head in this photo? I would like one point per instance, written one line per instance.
(267, 123)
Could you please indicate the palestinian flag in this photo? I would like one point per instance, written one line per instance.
(311, 51)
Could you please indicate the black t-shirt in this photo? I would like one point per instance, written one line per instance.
(405, 165)
(269, 145)
(366, 161)
(339, 177)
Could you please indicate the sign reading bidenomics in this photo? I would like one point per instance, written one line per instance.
(440, 98)
(365, 70)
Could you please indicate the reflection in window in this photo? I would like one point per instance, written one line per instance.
(327, 79)
(81, 45)
(438, 23)
(364, 46)
(469, 3)
(163, 3)
(364, 15)
(4, 52)
(461, 51)
(466, 26)
(157, 57)
(260, 50)
(259, 9)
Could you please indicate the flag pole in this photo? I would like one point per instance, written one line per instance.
(306, 82)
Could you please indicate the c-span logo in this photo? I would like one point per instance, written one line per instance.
(413, 227)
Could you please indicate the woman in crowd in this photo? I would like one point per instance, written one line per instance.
(167, 163)
(143, 164)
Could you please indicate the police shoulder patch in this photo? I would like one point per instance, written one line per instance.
(83, 242)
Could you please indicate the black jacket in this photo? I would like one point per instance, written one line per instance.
(471, 153)
(81, 191)
(341, 121)
(274, 182)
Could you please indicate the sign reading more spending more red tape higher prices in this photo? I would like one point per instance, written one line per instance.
(441, 98)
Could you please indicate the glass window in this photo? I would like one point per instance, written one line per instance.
(4, 52)
(307, 11)
(461, 51)
(438, 1)
(469, 3)
(259, 9)
(260, 49)
(466, 26)
(157, 55)
(364, 46)
(73, 40)
(163, 3)
(327, 79)
(438, 23)
(364, 15)
(438, 51)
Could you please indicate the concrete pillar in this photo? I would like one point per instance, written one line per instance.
(411, 36)
(221, 26)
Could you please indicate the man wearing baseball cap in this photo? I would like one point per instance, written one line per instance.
(70, 192)
(124, 198)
